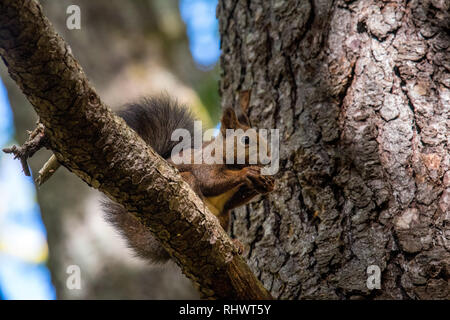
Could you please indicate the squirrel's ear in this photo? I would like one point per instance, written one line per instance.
(229, 119)
(243, 119)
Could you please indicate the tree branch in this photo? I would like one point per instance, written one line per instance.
(35, 142)
(47, 170)
(92, 142)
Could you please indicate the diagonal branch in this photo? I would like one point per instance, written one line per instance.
(89, 140)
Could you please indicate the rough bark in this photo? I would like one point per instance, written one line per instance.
(89, 140)
(360, 91)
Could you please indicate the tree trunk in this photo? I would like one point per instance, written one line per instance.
(360, 91)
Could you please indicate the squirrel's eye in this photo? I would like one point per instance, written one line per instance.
(245, 140)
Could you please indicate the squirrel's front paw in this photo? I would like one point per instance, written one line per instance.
(262, 184)
(269, 183)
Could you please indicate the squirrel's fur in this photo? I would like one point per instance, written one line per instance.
(154, 119)
(221, 186)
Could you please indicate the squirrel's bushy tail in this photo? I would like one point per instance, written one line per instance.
(154, 119)
(138, 237)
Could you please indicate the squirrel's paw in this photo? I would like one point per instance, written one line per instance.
(262, 184)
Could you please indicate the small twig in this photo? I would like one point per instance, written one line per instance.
(36, 141)
(47, 170)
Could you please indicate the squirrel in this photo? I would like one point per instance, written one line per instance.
(222, 187)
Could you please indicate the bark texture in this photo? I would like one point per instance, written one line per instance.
(360, 91)
(99, 148)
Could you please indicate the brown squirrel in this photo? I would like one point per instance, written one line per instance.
(222, 187)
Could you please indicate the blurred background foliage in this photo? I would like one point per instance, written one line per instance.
(128, 49)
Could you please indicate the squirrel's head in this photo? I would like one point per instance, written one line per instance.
(240, 142)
